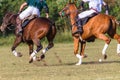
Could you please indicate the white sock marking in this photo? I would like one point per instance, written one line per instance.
(104, 49)
(118, 48)
(15, 53)
(80, 59)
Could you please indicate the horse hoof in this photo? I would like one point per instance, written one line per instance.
(77, 64)
(119, 54)
(42, 56)
(105, 56)
(31, 60)
(19, 54)
(85, 56)
(38, 59)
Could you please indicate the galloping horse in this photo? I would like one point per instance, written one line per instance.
(37, 29)
(96, 27)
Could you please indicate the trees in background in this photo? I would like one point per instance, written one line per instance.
(55, 6)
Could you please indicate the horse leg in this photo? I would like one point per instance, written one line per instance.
(83, 44)
(107, 42)
(50, 38)
(30, 44)
(16, 43)
(76, 46)
(39, 47)
(50, 45)
(117, 37)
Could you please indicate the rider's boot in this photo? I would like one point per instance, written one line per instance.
(79, 25)
(19, 27)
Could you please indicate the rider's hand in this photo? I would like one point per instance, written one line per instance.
(19, 12)
(47, 15)
(106, 12)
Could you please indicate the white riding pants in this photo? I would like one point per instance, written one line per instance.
(86, 13)
(29, 11)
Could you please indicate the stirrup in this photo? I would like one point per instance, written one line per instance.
(78, 31)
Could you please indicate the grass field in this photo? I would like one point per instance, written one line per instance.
(14, 68)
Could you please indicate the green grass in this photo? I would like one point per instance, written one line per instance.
(14, 68)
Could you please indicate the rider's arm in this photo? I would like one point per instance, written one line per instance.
(22, 6)
(47, 15)
(46, 9)
(106, 8)
(82, 4)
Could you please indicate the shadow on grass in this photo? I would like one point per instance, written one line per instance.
(103, 62)
(41, 63)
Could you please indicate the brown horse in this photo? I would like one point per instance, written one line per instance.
(37, 29)
(96, 27)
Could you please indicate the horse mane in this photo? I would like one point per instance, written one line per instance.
(9, 13)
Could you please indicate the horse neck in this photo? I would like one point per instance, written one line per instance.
(72, 17)
(13, 19)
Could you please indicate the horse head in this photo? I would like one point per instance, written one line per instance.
(7, 21)
(69, 9)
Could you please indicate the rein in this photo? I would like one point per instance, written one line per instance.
(11, 28)
(72, 17)
(62, 13)
(10, 24)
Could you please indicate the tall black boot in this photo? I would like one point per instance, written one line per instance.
(79, 26)
(19, 26)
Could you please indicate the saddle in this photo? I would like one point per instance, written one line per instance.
(27, 20)
(86, 19)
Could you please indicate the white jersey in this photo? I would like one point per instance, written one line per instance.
(95, 4)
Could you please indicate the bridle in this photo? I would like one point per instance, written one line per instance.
(8, 23)
(62, 12)
(70, 12)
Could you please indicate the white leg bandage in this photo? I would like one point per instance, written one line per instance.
(80, 59)
(118, 48)
(34, 58)
(15, 53)
(33, 54)
(44, 50)
(104, 49)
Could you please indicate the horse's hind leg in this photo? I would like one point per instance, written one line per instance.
(107, 42)
(50, 45)
(50, 38)
(117, 37)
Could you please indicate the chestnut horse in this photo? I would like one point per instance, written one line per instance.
(96, 27)
(37, 29)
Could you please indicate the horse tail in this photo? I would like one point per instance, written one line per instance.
(115, 20)
(54, 27)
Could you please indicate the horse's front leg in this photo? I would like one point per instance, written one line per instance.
(76, 47)
(82, 55)
(39, 47)
(16, 43)
(30, 44)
